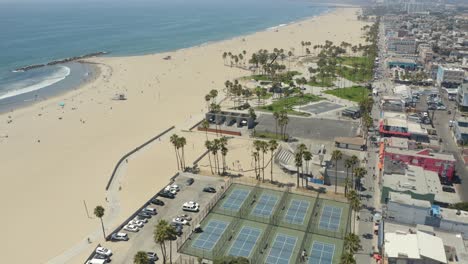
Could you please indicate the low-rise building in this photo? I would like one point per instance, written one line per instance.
(442, 164)
(416, 248)
(462, 97)
(401, 45)
(392, 103)
(460, 129)
(448, 77)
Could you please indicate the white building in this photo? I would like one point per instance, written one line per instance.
(401, 45)
(419, 248)
(447, 75)
(462, 96)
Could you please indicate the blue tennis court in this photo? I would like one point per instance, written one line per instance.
(245, 242)
(265, 205)
(282, 249)
(330, 218)
(296, 211)
(321, 253)
(211, 234)
(235, 200)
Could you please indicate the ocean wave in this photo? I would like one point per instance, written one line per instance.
(276, 27)
(26, 86)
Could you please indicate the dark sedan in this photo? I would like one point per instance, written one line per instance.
(209, 189)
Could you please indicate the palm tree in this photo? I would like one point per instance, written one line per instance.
(208, 146)
(264, 149)
(273, 146)
(224, 151)
(214, 150)
(99, 213)
(301, 149)
(352, 243)
(257, 144)
(205, 125)
(359, 173)
(348, 165)
(163, 232)
(283, 122)
(355, 205)
(181, 142)
(347, 258)
(298, 162)
(307, 158)
(336, 155)
(276, 115)
(214, 94)
(354, 160)
(207, 100)
(141, 258)
(174, 140)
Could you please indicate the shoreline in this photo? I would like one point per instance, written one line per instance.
(95, 70)
(70, 151)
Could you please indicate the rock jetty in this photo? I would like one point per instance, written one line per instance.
(30, 67)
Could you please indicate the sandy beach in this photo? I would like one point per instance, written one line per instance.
(56, 158)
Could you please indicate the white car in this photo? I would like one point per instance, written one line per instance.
(131, 228)
(170, 189)
(190, 207)
(141, 219)
(136, 223)
(181, 221)
(184, 216)
(192, 203)
(176, 187)
(104, 251)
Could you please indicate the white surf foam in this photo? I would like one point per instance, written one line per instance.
(55, 77)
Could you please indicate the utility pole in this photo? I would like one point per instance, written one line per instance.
(86, 208)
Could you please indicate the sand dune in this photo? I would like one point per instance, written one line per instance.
(57, 157)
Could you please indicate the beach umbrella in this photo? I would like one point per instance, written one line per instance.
(62, 104)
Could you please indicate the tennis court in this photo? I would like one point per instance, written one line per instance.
(265, 205)
(330, 218)
(321, 253)
(296, 212)
(212, 232)
(235, 199)
(245, 241)
(282, 249)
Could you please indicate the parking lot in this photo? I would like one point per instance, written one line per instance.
(124, 251)
(320, 107)
(310, 128)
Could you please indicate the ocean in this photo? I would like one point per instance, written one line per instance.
(38, 32)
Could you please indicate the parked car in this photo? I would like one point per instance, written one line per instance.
(185, 216)
(448, 189)
(150, 210)
(156, 201)
(141, 219)
(192, 203)
(167, 195)
(190, 181)
(136, 223)
(209, 189)
(96, 261)
(104, 251)
(131, 228)
(178, 229)
(180, 221)
(99, 256)
(190, 208)
(170, 189)
(152, 256)
(145, 215)
(119, 237)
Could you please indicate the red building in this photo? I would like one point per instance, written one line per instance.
(443, 164)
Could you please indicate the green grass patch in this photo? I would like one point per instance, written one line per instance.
(288, 103)
(361, 61)
(325, 83)
(358, 75)
(355, 93)
(270, 135)
(281, 77)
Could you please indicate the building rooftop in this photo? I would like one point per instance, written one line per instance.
(421, 153)
(454, 215)
(395, 122)
(431, 247)
(397, 142)
(415, 179)
(415, 128)
(403, 198)
(401, 245)
(388, 114)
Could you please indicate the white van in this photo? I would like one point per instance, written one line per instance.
(190, 207)
(96, 261)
